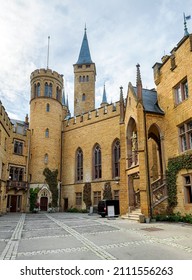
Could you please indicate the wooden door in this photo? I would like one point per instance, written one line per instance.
(43, 203)
(65, 204)
(13, 205)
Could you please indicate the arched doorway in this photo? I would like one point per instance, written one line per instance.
(156, 166)
(132, 165)
(44, 198)
(43, 203)
(155, 153)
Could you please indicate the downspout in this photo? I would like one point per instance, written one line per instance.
(147, 168)
(61, 168)
(27, 167)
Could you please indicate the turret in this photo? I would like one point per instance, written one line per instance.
(84, 84)
(46, 115)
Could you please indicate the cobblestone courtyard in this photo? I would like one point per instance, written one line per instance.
(69, 236)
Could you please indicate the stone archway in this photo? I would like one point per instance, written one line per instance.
(44, 197)
(155, 154)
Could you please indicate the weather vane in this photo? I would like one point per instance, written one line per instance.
(186, 33)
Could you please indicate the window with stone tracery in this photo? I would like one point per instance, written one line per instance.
(18, 147)
(97, 168)
(16, 173)
(116, 158)
(79, 165)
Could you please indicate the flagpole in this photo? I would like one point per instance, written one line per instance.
(48, 53)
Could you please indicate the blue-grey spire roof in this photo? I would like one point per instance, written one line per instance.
(84, 55)
(104, 99)
(63, 98)
(67, 103)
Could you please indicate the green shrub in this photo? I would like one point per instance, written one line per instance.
(174, 218)
(75, 210)
(187, 218)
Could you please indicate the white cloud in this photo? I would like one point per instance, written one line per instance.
(120, 33)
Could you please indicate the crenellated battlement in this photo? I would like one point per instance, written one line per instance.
(93, 116)
(46, 83)
(4, 118)
(38, 73)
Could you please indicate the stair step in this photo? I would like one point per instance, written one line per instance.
(133, 218)
(134, 214)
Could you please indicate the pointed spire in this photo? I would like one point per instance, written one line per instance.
(122, 109)
(84, 55)
(104, 99)
(121, 94)
(63, 98)
(67, 103)
(186, 33)
(139, 83)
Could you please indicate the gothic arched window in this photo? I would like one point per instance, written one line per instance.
(35, 90)
(97, 172)
(57, 93)
(47, 133)
(47, 107)
(46, 93)
(38, 90)
(83, 97)
(50, 90)
(116, 157)
(79, 165)
(46, 159)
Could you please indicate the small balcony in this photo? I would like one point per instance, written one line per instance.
(17, 185)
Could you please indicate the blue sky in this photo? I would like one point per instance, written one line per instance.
(121, 33)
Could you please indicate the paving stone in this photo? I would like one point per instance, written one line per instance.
(69, 236)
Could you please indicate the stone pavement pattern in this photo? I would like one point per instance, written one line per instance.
(70, 236)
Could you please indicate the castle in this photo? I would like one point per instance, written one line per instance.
(130, 145)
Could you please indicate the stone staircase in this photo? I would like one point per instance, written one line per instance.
(133, 215)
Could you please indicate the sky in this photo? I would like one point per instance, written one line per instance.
(121, 33)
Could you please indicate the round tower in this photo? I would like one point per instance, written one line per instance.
(46, 115)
